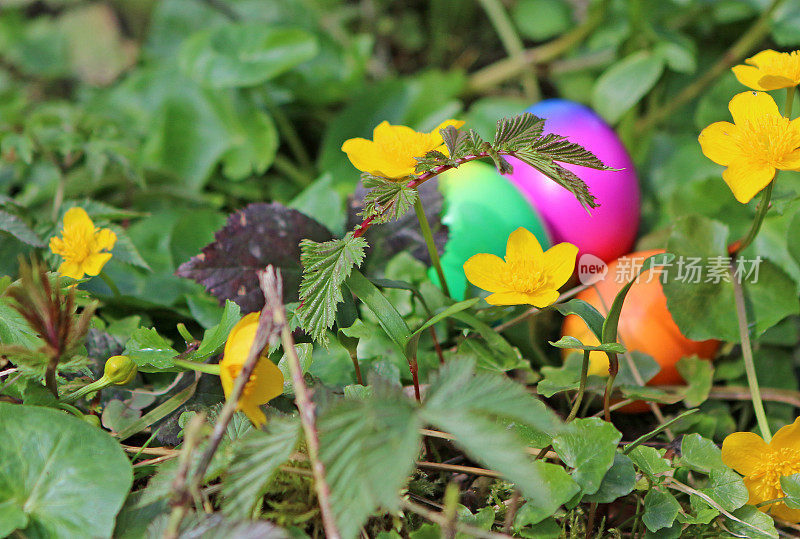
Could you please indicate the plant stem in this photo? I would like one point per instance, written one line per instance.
(734, 54)
(613, 369)
(432, 252)
(110, 282)
(208, 368)
(747, 355)
(512, 44)
(441, 520)
(271, 285)
(581, 388)
(97, 385)
(761, 212)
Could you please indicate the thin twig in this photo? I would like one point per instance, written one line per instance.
(457, 468)
(266, 331)
(272, 286)
(182, 497)
(441, 520)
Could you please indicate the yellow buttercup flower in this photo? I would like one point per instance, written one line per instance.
(762, 465)
(265, 383)
(392, 151)
(759, 142)
(82, 245)
(528, 275)
(770, 70)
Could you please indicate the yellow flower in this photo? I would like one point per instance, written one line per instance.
(82, 245)
(391, 154)
(770, 70)
(265, 383)
(528, 275)
(758, 142)
(762, 465)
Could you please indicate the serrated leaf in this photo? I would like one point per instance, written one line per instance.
(15, 226)
(517, 132)
(559, 148)
(150, 351)
(254, 237)
(255, 461)
(303, 351)
(386, 200)
(368, 448)
(326, 266)
(563, 177)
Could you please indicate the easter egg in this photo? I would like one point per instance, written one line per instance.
(607, 231)
(481, 208)
(645, 324)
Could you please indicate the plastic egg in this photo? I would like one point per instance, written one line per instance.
(607, 231)
(481, 208)
(645, 324)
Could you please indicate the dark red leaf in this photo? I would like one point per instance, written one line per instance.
(254, 237)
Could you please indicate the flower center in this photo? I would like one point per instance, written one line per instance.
(78, 246)
(525, 276)
(784, 65)
(776, 463)
(234, 371)
(768, 139)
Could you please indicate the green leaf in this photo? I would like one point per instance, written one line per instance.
(594, 320)
(570, 342)
(560, 149)
(563, 177)
(386, 200)
(368, 448)
(700, 454)
(413, 340)
(699, 373)
(16, 146)
(303, 351)
(623, 84)
(388, 317)
(517, 132)
(125, 251)
(660, 509)
(540, 20)
(649, 461)
(757, 525)
(588, 446)
(618, 481)
(244, 54)
(325, 203)
(15, 226)
(12, 517)
(707, 310)
(507, 356)
(48, 474)
(150, 351)
(256, 460)
(214, 338)
(727, 488)
(326, 266)
(14, 329)
(790, 485)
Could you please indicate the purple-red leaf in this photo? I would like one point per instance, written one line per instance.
(258, 235)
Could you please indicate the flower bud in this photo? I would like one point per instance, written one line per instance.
(119, 370)
(92, 419)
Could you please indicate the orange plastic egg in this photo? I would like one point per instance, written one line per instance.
(645, 324)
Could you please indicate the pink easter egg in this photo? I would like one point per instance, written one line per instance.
(608, 231)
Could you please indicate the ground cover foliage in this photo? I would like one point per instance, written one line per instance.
(207, 135)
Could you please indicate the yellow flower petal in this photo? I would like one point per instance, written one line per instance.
(790, 161)
(447, 123)
(539, 299)
(782, 511)
(94, 263)
(77, 219)
(559, 263)
(57, 245)
(105, 239)
(486, 271)
(775, 82)
(70, 269)
(718, 143)
(764, 58)
(267, 383)
(749, 76)
(386, 134)
(787, 437)
(522, 244)
(746, 178)
(752, 107)
(742, 451)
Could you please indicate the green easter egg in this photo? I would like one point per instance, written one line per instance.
(481, 209)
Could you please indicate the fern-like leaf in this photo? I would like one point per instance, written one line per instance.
(386, 200)
(517, 132)
(560, 175)
(560, 149)
(255, 462)
(325, 268)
